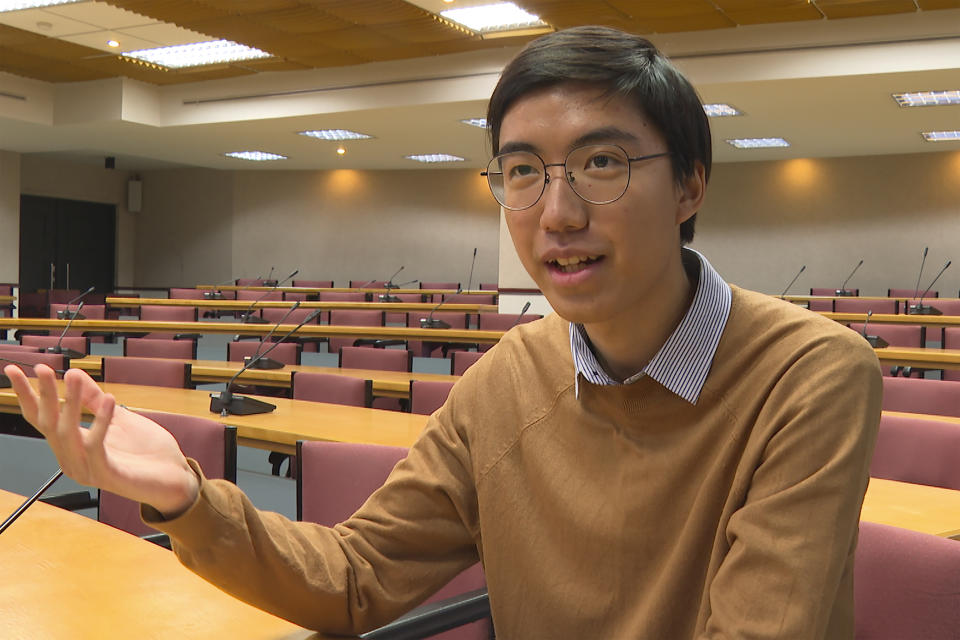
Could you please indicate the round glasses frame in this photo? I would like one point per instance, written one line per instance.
(493, 171)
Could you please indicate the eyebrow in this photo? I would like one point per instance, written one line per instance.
(596, 136)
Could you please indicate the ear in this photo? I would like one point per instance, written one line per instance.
(691, 191)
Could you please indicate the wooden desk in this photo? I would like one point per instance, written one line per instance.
(243, 305)
(916, 357)
(913, 506)
(323, 330)
(66, 577)
(480, 292)
(393, 384)
(893, 318)
(278, 430)
(8, 300)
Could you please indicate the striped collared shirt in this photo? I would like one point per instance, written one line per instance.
(683, 362)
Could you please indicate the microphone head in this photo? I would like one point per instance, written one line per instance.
(803, 268)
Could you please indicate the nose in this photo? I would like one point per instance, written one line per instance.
(563, 210)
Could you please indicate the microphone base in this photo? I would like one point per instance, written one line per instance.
(843, 292)
(427, 323)
(877, 342)
(213, 295)
(269, 283)
(238, 405)
(386, 297)
(70, 354)
(254, 320)
(923, 310)
(262, 363)
(67, 315)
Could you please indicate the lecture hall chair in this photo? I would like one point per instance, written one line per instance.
(906, 585)
(451, 286)
(163, 313)
(911, 295)
(896, 335)
(950, 339)
(335, 478)
(918, 451)
(331, 388)
(89, 311)
(426, 396)
(380, 359)
(400, 317)
(427, 349)
(460, 361)
(56, 361)
(80, 344)
(918, 395)
(153, 372)
(502, 322)
(340, 296)
(354, 318)
(858, 305)
(160, 348)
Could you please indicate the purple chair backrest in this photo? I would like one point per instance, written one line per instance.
(336, 478)
(918, 395)
(906, 585)
(462, 361)
(948, 307)
(910, 293)
(489, 286)
(352, 317)
(153, 372)
(314, 284)
(468, 298)
(855, 305)
(163, 313)
(285, 352)
(210, 443)
(332, 388)
(898, 335)
(426, 396)
(76, 343)
(918, 451)
(160, 348)
(382, 359)
(91, 311)
(55, 361)
(951, 340)
(260, 295)
(185, 294)
(820, 305)
(21, 347)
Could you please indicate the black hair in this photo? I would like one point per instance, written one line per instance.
(623, 64)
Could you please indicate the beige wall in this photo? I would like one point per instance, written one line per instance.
(763, 220)
(9, 216)
(42, 176)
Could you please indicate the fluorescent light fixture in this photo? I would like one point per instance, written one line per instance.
(476, 122)
(335, 134)
(256, 156)
(757, 143)
(503, 16)
(720, 110)
(197, 54)
(19, 5)
(941, 136)
(927, 98)
(113, 43)
(435, 157)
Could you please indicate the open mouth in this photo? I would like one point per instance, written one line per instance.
(574, 263)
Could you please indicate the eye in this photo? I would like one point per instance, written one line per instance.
(603, 161)
(522, 171)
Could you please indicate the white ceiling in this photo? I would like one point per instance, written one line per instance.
(825, 87)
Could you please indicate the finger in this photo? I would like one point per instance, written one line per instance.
(101, 421)
(68, 426)
(26, 396)
(49, 404)
(91, 395)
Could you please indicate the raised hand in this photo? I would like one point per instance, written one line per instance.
(122, 451)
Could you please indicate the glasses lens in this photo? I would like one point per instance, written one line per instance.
(598, 173)
(516, 179)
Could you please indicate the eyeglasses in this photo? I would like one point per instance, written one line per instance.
(597, 173)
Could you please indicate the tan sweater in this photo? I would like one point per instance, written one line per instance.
(626, 513)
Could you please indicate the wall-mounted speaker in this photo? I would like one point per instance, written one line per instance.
(134, 196)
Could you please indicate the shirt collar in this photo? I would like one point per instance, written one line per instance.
(683, 361)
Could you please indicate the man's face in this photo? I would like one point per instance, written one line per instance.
(598, 263)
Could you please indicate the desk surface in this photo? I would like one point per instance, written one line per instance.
(278, 430)
(313, 330)
(917, 357)
(476, 292)
(66, 577)
(913, 506)
(394, 384)
(894, 318)
(242, 305)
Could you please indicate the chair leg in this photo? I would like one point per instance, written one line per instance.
(276, 461)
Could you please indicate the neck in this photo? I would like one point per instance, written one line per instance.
(625, 344)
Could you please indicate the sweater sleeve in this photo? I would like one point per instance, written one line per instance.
(411, 536)
(789, 569)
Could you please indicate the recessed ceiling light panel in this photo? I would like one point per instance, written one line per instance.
(335, 134)
(476, 122)
(720, 110)
(197, 54)
(927, 98)
(502, 16)
(255, 156)
(941, 136)
(435, 157)
(18, 5)
(757, 143)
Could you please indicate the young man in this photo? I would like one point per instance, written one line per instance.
(667, 456)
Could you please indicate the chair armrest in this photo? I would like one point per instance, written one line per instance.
(436, 617)
(74, 501)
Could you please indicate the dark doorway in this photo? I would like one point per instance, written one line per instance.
(67, 244)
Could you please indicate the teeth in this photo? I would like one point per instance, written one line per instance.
(563, 262)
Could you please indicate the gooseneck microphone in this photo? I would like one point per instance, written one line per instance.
(29, 501)
(216, 293)
(842, 291)
(69, 353)
(63, 314)
(875, 341)
(430, 323)
(5, 381)
(472, 264)
(787, 288)
(226, 403)
(389, 284)
(269, 363)
(925, 309)
(923, 261)
(522, 311)
(247, 317)
(267, 281)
